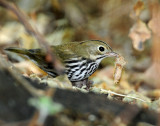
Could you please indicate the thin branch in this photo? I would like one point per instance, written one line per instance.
(122, 95)
(50, 57)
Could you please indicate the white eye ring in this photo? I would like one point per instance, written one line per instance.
(101, 48)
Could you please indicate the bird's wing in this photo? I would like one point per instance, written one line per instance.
(66, 52)
(38, 56)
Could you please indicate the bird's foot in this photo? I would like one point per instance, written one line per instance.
(89, 84)
(86, 84)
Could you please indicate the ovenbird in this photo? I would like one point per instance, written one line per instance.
(81, 59)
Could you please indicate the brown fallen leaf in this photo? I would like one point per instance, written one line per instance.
(154, 23)
(137, 9)
(27, 68)
(153, 72)
(139, 33)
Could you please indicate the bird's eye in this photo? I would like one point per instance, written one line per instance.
(102, 49)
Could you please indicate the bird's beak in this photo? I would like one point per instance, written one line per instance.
(111, 54)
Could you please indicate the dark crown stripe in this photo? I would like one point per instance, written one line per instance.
(104, 43)
(98, 41)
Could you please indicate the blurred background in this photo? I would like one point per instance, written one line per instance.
(130, 27)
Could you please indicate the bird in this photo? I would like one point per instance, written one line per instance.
(80, 59)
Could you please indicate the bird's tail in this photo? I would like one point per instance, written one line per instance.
(17, 50)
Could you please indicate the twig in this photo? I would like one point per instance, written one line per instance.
(50, 57)
(122, 95)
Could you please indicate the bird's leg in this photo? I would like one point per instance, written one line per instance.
(89, 83)
(82, 83)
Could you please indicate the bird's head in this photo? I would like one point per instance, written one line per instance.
(96, 49)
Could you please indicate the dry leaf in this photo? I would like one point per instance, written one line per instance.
(154, 23)
(27, 68)
(138, 7)
(139, 33)
(153, 72)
